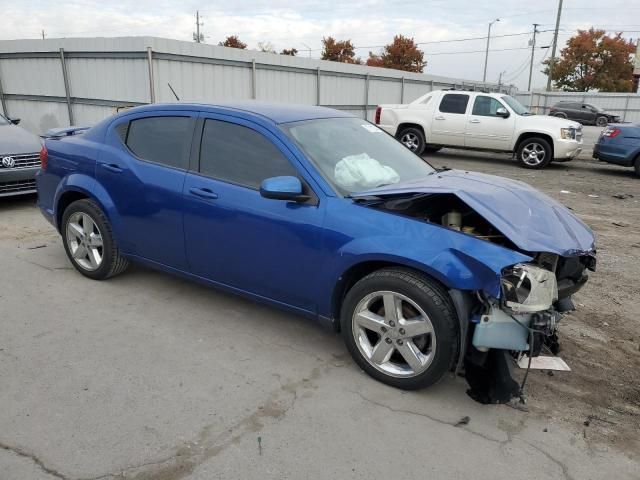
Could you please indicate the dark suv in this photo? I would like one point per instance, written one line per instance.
(583, 113)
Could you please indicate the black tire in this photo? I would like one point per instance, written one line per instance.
(532, 143)
(432, 149)
(561, 115)
(636, 166)
(602, 121)
(435, 302)
(112, 262)
(413, 139)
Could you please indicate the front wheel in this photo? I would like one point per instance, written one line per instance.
(400, 328)
(602, 121)
(534, 152)
(413, 139)
(88, 241)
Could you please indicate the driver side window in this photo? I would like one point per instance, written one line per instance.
(486, 106)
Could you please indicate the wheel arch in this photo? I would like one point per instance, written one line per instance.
(526, 135)
(358, 271)
(405, 125)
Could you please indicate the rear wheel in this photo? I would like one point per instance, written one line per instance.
(561, 115)
(602, 121)
(534, 152)
(413, 139)
(400, 328)
(88, 241)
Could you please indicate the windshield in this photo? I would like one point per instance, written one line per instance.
(354, 155)
(515, 105)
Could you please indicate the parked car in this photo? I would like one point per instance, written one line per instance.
(584, 113)
(620, 144)
(321, 213)
(480, 121)
(19, 158)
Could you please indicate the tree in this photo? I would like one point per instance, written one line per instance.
(401, 54)
(338, 50)
(234, 42)
(593, 60)
(266, 47)
(292, 52)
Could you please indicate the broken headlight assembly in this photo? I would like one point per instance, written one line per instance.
(528, 288)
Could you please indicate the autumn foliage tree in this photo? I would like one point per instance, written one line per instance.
(233, 41)
(338, 50)
(593, 60)
(401, 54)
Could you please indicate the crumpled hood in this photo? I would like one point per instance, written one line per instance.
(533, 221)
(15, 140)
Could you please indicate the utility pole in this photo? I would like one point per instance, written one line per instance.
(552, 61)
(486, 53)
(197, 36)
(43, 34)
(533, 51)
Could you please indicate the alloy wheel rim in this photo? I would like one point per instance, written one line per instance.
(601, 122)
(410, 140)
(533, 154)
(84, 240)
(393, 334)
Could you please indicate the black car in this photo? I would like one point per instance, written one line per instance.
(584, 113)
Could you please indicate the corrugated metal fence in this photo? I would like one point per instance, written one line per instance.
(627, 105)
(57, 82)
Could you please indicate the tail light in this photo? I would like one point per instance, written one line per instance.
(611, 132)
(44, 156)
(378, 112)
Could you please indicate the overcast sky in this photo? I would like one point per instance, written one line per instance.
(368, 23)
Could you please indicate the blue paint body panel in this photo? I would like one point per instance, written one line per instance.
(623, 149)
(286, 253)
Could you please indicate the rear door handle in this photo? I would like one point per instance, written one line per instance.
(475, 120)
(203, 193)
(440, 117)
(112, 167)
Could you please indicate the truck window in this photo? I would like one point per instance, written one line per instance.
(485, 106)
(454, 103)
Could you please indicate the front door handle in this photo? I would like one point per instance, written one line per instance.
(475, 120)
(203, 193)
(440, 117)
(112, 167)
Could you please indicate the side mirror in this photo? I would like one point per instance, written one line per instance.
(502, 112)
(283, 188)
(15, 121)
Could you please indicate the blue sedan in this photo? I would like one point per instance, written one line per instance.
(322, 213)
(620, 144)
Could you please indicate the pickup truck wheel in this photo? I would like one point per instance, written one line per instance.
(413, 139)
(88, 241)
(400, 328)
(602, 121)
(534, 152)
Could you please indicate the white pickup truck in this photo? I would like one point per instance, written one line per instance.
(481, 121)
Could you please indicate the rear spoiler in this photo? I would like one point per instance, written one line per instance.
(64, 132)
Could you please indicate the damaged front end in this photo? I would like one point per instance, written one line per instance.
(519, 317)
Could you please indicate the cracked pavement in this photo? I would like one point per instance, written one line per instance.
(148, 376)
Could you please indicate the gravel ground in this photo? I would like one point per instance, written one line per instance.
(148, 376)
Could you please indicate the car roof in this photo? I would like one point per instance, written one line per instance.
(276, 112)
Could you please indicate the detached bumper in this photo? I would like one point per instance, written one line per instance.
(565, 150)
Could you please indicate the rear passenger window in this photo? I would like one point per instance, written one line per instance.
(240, 155)
(163, 140)
(454, 103)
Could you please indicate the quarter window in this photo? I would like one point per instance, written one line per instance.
(163, 140)
(486, 106)
(240, 155)
(454, 103)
